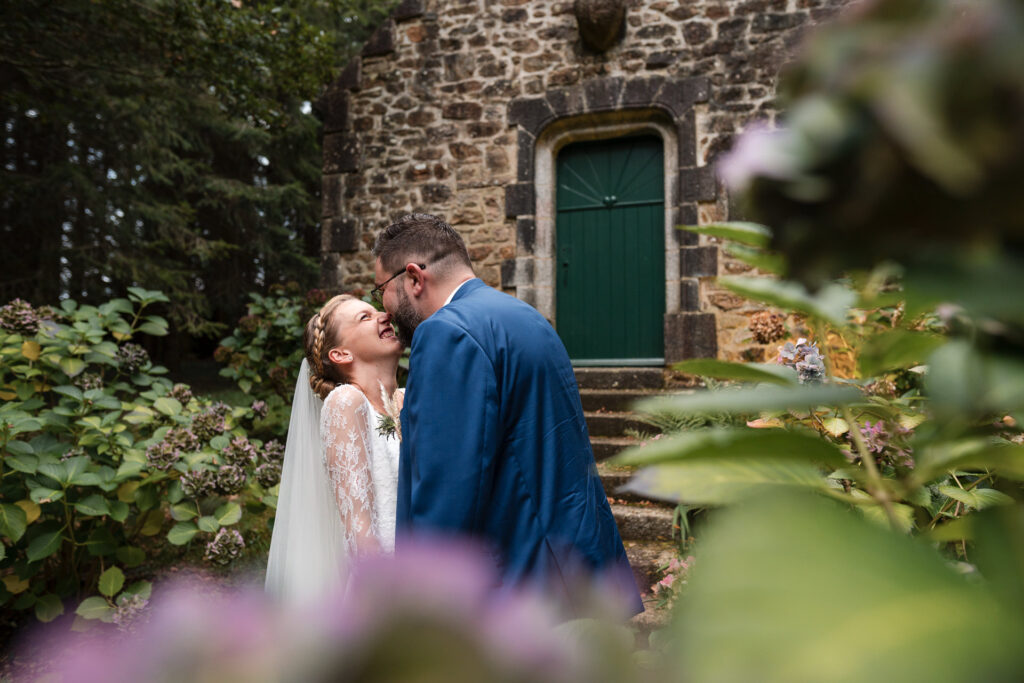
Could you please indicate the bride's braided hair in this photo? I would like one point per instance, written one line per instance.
(319, 338)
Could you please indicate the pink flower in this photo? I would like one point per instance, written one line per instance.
(759, 151)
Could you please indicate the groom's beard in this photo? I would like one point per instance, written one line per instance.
(406, 319)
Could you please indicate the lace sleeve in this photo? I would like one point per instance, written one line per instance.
(345, 430)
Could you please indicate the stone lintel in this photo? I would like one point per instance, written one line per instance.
(690, 335)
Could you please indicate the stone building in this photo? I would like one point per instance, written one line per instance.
(565, 147)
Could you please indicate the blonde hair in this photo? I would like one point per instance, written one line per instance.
(320, 337)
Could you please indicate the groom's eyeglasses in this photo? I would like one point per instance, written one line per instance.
(378, 292)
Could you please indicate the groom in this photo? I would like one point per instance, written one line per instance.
(495, 447)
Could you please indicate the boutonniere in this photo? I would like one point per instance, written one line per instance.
(388, 424)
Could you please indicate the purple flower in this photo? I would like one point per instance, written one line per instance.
(182, 393)
(273, 452)
(268, 474)
(759, 151)
(209, 423)
(259, 408)
(132, 357)
(19, 317)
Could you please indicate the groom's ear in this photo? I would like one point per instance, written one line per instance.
(415, 275)
(339, 356)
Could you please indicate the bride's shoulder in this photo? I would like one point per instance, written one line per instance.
(344, 396)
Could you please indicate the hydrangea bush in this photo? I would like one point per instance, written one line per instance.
(107, 468)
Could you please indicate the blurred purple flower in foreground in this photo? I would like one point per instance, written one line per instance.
(759, 151)
(428, 614)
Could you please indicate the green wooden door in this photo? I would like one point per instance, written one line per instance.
(610, 251)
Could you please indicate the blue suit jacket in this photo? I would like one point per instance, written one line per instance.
(495, 446)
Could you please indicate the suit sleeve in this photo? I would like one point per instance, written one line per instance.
(454, 430)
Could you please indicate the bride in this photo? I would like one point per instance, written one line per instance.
(339, 481)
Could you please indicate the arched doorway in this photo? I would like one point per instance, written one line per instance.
(610, 250)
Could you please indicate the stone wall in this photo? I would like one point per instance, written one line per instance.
(430, 118)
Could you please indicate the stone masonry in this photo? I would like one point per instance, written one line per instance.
(454, 106)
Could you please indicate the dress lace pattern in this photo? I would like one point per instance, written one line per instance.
(362, 467)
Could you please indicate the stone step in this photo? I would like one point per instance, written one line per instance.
(620, 378)
(647, 559)
(651, 619)
(613, 400)
(605, 447)
(616, 424)
(643, 521)
(615, 478)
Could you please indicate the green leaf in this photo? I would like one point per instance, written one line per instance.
(48, 608)
(118, 510)
(706, 482)
(228, 514)
(896, 349)
(756, 611)
(935, 460)
(998, 534)
(753, 234)
(743, 372)
(69, 391)
(13, 522)
(832, 303)
(19, 448)
(111, 581)
(153, 329)
(725, 444)
(182, 512)
(101, 542)
(72, 366)
(977, 498)
(167, 405)
(130, 556)
(93, 506)
(143, 589)
(44, 545)
(208, 524)
(765, 261)
(757, 399)
(94, 607)
(181, 533)
(22, 463)
(836, 426)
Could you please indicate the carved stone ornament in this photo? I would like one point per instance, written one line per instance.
(600, 22)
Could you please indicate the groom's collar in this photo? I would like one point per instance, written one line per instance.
(455, 291)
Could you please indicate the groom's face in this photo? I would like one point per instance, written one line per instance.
(400, 306)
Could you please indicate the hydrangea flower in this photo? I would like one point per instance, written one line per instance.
(132, 357)
(183, 439)
(210, 422)
(162, 456)
(230, 479)
(805, 359)
(225, 547)
(259, 408)
(268, 474)
(273, 452)
(767, 327)
(240, 452)
(129, 610)
(89, 380)
(182, 393)
(19, 317)
(198, 483)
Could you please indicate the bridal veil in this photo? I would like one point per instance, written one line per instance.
(307, 556)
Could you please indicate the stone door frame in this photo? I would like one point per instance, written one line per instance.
(604, 108)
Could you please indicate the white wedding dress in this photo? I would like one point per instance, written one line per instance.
(338, 492)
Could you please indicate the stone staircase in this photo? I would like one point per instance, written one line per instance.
(645, 525)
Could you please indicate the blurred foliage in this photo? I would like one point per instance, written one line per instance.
(107, 468)
(873, 523)
(166, 144)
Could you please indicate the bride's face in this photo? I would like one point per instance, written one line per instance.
(363, 332)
